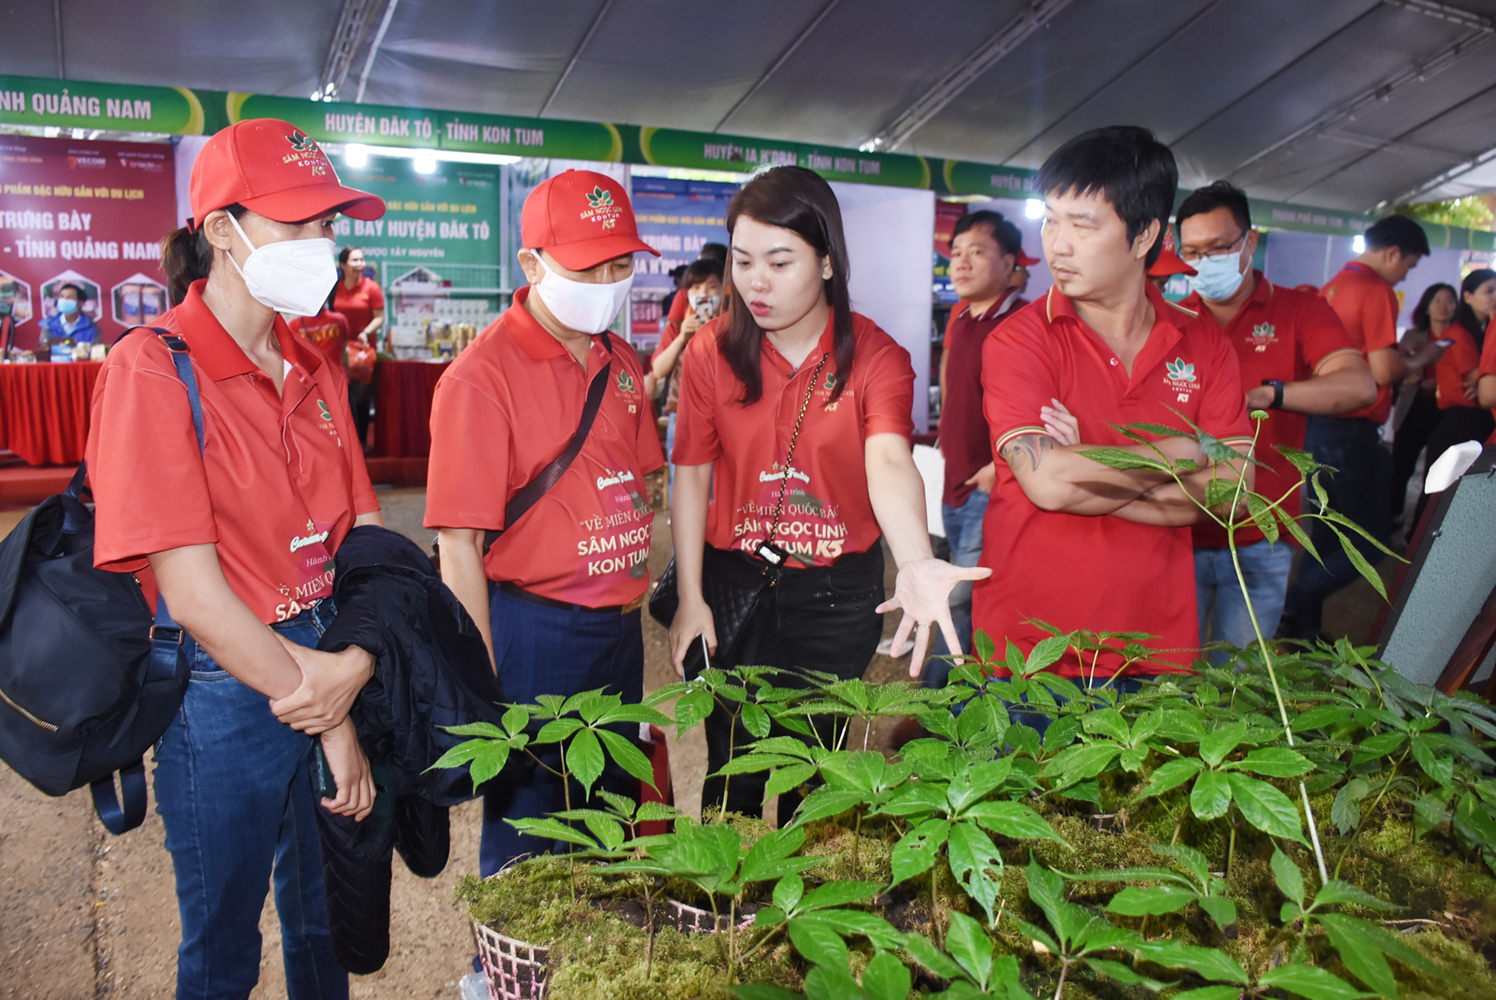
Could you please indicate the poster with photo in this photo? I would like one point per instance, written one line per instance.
(676, 217)
(91, 214)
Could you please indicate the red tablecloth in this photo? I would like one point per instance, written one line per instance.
(45, 407)
(402, 407)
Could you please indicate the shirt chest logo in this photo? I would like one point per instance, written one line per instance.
(627, 388)
(1264, 335)
(1179, 375)
(325, 422)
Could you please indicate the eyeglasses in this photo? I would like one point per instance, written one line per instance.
(1219, 253)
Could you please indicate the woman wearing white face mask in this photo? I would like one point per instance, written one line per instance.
(541, 436)
(237, 533)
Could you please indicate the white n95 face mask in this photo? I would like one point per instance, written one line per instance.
(292, 277)
(583, 306)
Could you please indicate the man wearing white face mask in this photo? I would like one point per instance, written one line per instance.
(1296, 359)
(541, 436)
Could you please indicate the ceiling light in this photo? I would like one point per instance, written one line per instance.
(356, 155)
(1358, 244)
(1033, 209)
(425, 161)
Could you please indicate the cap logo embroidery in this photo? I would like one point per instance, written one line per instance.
(306, 153)
(601, 207)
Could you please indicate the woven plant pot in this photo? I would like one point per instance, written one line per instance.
(516, 970)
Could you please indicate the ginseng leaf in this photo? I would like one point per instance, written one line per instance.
(1117, 458)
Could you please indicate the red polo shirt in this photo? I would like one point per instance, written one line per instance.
(358, 304)
(1097, 573)
(1367, 306)
(965, 440)
(502, 412)
(1454, 366)
(1278, 333)
(328, 330)
(275, 486)
(1488, 367)
(827, 511)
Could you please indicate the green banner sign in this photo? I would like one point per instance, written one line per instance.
(446, 217)
(383, 125)
(26, 100)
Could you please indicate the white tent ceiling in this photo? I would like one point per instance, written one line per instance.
(1342, 103)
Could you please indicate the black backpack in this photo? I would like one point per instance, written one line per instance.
(89, 678)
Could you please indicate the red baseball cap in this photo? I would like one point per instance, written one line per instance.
(1169, 262)
(271, 168)
(582, 218)
(1021, 259)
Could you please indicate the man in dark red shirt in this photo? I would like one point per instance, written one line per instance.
(1073, 542)
(1296, 359)
(985, 248)
(1361, 294)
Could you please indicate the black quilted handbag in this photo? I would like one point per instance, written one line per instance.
(734, 585)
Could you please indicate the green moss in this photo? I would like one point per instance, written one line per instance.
(595, 954)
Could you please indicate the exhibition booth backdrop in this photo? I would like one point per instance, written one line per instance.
(77, 205)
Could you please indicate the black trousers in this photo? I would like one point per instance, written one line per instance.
(1423, 417)
(818, 619)
(1353, 446)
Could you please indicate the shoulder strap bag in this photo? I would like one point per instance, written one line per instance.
(530, 494)
(89, 678)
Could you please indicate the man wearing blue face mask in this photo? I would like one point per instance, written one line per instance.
(70, 322)
(1296, 359)
(541, 437)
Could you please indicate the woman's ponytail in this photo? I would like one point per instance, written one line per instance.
(187, 256)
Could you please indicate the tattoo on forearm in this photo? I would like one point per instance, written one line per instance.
(1029, 447)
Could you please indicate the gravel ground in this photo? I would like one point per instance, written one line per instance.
(86, 915)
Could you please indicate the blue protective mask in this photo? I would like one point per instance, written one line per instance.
(67, 306)
(1217, 278)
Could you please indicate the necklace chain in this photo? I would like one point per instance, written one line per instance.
(790, 455)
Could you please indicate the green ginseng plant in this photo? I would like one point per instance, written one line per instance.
(1229, 503)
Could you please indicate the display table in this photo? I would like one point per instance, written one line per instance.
(402, 407)
(44, 410)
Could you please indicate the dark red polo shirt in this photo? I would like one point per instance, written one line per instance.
(1097, 573)
(1367, 306)
(1278, 333)
(502, 412)
(827, 511)
(278, 484)
(965, 440)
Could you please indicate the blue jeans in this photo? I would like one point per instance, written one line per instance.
(1223, 611)
(1352, 445)
(963, 532)
(546, 650)
(236, 790)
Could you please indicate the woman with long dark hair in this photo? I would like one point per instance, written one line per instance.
(1416, 412)
(1457, 371)
(792, 452)
(235, 523)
